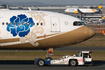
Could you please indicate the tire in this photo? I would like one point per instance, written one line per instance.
(48, 58)
(73, 63)
(41, 62)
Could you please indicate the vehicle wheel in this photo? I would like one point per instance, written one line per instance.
(41, 62)
(73, 62)
(48, 58)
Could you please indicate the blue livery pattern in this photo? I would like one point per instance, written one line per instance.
(20, 25)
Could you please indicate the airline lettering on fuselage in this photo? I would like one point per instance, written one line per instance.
(21, 25)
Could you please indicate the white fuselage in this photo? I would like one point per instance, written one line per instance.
(83, 10)
(36, 29)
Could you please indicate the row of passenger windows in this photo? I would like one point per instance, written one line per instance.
(76, 23)
(22, 23)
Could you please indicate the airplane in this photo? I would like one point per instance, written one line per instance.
(4, 9)
(102, 19)
(91, 18)
(83, 10)
(35, 30)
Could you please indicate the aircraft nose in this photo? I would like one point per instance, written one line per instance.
(91, 32)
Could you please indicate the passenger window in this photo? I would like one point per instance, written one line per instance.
(7, 23)
(33, 23)
(18, 23)
(22, 24)
(14, 23)
(10, 23)
(37, 23)
(25, 23)
(29, 23)
(3, 23)
(41, 24)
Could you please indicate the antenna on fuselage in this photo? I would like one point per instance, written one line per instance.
(29, 8)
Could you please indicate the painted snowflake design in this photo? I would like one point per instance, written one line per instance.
(20, 25)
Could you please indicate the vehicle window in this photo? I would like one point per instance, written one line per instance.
(79, 54)
(90, 55)
(86, 55)
(78, 23)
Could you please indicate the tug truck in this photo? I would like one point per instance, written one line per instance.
(84, 57)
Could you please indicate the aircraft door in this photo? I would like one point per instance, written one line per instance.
(55, 24)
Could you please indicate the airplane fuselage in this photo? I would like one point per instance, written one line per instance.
(81, 10)
(40, 30)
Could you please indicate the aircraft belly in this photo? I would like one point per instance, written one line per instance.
(53, 41)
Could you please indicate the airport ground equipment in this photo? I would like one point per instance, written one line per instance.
(49, 53)
(84, 57)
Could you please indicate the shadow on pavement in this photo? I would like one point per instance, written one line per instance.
(17, 62)
(31, 62)
(98, 63)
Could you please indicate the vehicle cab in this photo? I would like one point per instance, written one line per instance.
(86, 56)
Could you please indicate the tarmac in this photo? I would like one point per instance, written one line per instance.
(29, 65)
(80, 49)
(69, 49)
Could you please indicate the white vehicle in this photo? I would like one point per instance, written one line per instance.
(83, 58)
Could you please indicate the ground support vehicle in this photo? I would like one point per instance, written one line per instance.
(84, 57)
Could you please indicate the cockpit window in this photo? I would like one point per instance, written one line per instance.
(78, 23)
(83, 23)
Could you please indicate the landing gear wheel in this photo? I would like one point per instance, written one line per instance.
(41, 62)
(48, 58)
(73, 62)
